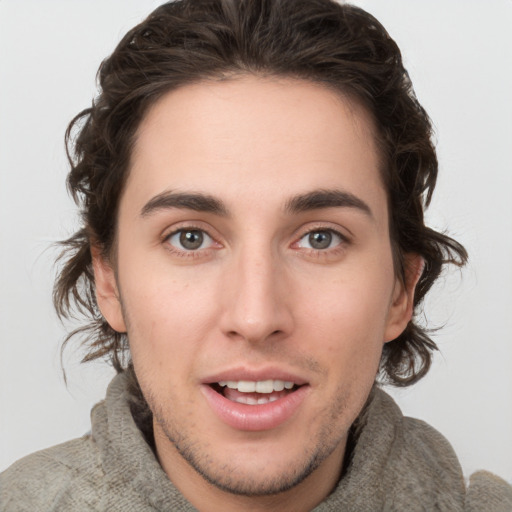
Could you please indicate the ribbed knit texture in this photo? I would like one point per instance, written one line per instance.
(398, 464)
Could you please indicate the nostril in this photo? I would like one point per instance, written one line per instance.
(255, 334)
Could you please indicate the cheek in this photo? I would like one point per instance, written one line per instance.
(348, 307)
(167, 311)
(348, 315)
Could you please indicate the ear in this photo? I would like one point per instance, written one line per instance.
(107, 294)
(400, 312)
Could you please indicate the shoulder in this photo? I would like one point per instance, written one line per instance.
(485, 492)
(488, 492)
(64, 477)
(420, 449)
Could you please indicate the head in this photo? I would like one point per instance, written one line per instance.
(194, 75)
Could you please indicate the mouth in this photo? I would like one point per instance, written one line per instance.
(259, 392)
(255, 400)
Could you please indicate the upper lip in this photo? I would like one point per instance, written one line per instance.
(251, 374)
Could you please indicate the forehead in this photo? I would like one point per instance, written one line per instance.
(255, 137)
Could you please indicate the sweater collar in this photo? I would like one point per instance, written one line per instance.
(397, 463)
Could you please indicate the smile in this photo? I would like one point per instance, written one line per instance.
(260, 386)
(254, 405)
(254, 392)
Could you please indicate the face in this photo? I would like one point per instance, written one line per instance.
(255, 280)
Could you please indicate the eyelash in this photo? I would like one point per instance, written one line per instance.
(310, 251)
(328, 252)
(189, 253)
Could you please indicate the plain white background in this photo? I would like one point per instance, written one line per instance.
(459, 54)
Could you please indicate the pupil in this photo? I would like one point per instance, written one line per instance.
(320, 239)
(191, 239)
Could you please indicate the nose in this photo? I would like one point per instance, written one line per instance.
(256, 298)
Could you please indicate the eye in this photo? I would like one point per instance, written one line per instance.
(190, 240)
(320, 240)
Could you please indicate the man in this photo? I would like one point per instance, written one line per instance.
(252, 180)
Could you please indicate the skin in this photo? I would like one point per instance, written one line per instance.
(256, 295)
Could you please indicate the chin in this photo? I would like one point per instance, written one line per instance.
(261, 470)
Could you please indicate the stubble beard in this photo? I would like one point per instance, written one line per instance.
(230, 479)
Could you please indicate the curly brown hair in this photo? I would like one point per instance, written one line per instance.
(186, 41)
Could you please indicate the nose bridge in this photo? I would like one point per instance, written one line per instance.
(257, 307)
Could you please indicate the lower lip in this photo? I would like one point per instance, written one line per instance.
(255, 417)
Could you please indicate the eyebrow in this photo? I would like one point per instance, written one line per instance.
(318, 199)
(186, 200)
(314, 200)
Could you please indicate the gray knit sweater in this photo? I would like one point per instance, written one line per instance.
(398, 464)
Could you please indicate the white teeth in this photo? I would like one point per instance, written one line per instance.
(249, 400)
(264, 386)
(246, 386)
(278, 385)
(260, 386)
